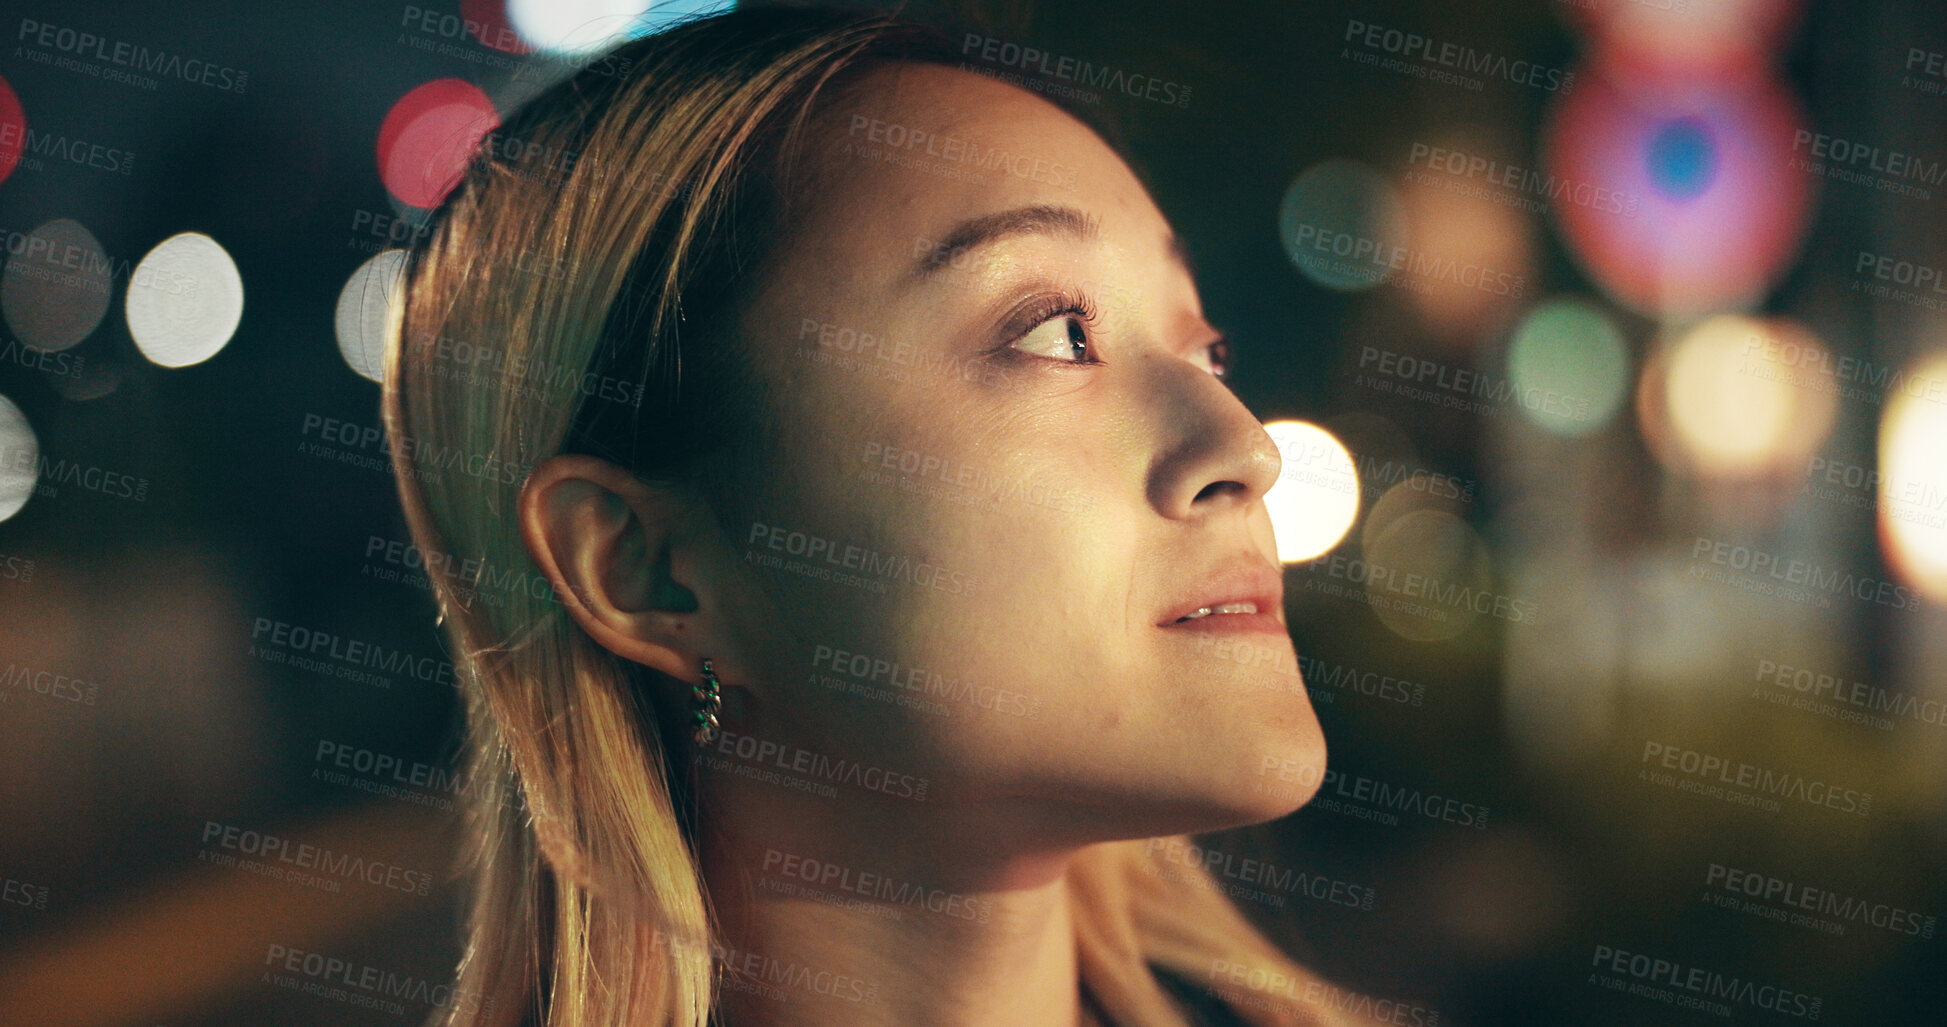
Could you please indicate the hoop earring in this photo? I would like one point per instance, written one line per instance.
(708, 700)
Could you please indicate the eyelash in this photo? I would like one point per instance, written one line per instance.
(1081, 306)
(1062, 304)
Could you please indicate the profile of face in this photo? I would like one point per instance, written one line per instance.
(1007, 478)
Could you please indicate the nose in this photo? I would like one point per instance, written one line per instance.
(1212, 452)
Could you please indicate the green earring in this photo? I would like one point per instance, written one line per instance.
(708, 697)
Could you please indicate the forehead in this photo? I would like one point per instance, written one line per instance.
(909, 150)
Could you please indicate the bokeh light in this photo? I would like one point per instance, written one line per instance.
(1427, 574)
(1913, 477)
(184, 300)
(487, 21)
(363, 312)
(1472, 246)
(20, 459)
(1572, 356)
(1743, 398)
(1679, 198)
(1316, 497)
(428, 137)
(56, 285)
(1343, 225)
(586, 26)
(1690, 37)
(13, 130)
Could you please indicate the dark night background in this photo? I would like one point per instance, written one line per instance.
(154, 600)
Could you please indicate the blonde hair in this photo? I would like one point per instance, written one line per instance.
(606, 234)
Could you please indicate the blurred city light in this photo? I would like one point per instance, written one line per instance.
(1316, 497)
(1913, 477)
(184, 300)
(363, 310)
(1569, 349)
(428, 137)
(1343, 225)
(20, 457)
(56, 285)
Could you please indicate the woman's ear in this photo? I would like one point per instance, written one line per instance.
(608, 543)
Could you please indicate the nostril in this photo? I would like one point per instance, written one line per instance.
(1217, 488)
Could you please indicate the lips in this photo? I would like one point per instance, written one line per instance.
(1245, 595)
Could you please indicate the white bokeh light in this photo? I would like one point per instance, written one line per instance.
(1316, 497)
(1913, 478)
(363, 308)
(184, 300)
(20, 459)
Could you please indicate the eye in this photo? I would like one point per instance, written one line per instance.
(1063, 337)
(1215, 358)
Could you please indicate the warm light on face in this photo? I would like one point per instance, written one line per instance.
(1913, 478)
(1316, 497)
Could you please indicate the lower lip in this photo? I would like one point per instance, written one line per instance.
(1231, 623)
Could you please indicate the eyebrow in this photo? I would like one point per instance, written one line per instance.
(1045, 219)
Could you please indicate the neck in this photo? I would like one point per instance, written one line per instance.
(835, 923)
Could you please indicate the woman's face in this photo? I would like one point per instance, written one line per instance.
(1005, 472)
